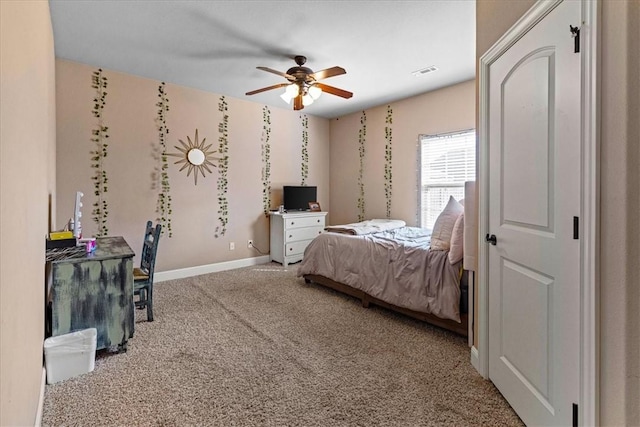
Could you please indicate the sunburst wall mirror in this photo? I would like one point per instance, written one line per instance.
(196, 157)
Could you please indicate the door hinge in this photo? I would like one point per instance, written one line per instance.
(575, 33)
(576, 228)
(575, 415)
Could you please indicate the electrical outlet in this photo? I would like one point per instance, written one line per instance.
(232, 246)
(250, 243)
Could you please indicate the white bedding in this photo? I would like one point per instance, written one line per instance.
(367, 227)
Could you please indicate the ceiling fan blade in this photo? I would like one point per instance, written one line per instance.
(329, 72)
(297, 103)
(280, 73)
(264, 89)
(334, 90)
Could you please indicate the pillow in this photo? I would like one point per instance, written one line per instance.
(443, 228)
(457, 240)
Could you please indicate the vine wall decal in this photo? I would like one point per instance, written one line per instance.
(362, 136)
(388, 151)
(266, 160)
(305, 152)
(100, 210)
(223, 169)
(163, 204)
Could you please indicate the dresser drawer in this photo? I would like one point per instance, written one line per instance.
(315, 220)
(296, 248)
(307, 233)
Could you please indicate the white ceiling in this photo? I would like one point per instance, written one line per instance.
(216, 45)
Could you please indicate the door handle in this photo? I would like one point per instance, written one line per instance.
(491, 239)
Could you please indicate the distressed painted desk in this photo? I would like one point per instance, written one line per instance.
(93, 291)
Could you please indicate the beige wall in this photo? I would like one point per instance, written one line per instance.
(620, 195)
(27, 171)
(130, 114)
(494, 18)
(620, 205)
(445, 110)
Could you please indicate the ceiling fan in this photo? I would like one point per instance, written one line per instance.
(303, 85)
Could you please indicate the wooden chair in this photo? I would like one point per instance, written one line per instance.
(143, 276)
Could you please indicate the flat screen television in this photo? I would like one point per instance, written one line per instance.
(297, 198)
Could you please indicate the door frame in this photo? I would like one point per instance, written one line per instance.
(590, 198)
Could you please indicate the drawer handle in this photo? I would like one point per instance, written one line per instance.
(292, 222)
(319, 231)
(290, 249)
(318, 220)
(290, 236)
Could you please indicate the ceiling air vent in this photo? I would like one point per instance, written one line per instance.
(424, 71)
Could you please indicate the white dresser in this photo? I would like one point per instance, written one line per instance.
(292, 232)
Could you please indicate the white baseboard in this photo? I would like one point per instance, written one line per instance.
(181, 273)
(475, 361)
(43, 383)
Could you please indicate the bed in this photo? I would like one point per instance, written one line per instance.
(415, 271)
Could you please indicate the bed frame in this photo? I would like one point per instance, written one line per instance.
(459, 328)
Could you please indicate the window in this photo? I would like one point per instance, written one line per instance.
(446, 162)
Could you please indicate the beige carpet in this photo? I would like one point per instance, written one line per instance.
(259, 347)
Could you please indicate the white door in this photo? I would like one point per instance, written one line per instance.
(534, 195)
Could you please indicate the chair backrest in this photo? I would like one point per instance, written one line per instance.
(150, 248)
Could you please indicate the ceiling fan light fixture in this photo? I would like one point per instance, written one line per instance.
(315, 92)
(286, 97)
(307, 100)
(292, 90)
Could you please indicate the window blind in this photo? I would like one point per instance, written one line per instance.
(446, 162)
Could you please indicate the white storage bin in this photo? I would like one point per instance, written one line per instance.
(70, 355)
